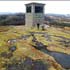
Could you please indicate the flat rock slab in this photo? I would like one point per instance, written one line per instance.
(28, 64)
(37, 32)
(39, 65)
(62, 59)
(25, 37)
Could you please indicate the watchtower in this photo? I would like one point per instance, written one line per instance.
(34, 16)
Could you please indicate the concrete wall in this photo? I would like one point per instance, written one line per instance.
(38, 18)
(28, 20)
(32, 20)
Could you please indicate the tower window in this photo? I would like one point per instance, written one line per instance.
(38, 9)
(28, 9)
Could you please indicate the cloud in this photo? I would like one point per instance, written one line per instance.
(59, 7)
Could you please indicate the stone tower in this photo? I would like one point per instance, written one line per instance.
(34, 16)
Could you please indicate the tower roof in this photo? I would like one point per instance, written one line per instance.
(34, 3)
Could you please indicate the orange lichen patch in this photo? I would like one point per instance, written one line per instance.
(54, 64)
(51, 68)
(25, 48)
(4, 28)
(58, 48)
(67, 28)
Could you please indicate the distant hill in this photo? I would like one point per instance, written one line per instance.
(19, 18)
(57, 17)
(12, 19)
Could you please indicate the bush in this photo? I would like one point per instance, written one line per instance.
(60, 24)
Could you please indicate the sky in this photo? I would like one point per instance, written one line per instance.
(56, 7)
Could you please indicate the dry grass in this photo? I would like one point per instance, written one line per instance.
(24, 47)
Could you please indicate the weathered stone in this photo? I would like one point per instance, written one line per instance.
(6, 55)
(12, 48)
(48, 37)
(11, 41)
(39, 65)
(39, 45)
(28, 64)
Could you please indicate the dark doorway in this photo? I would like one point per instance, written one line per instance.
(38, 25)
